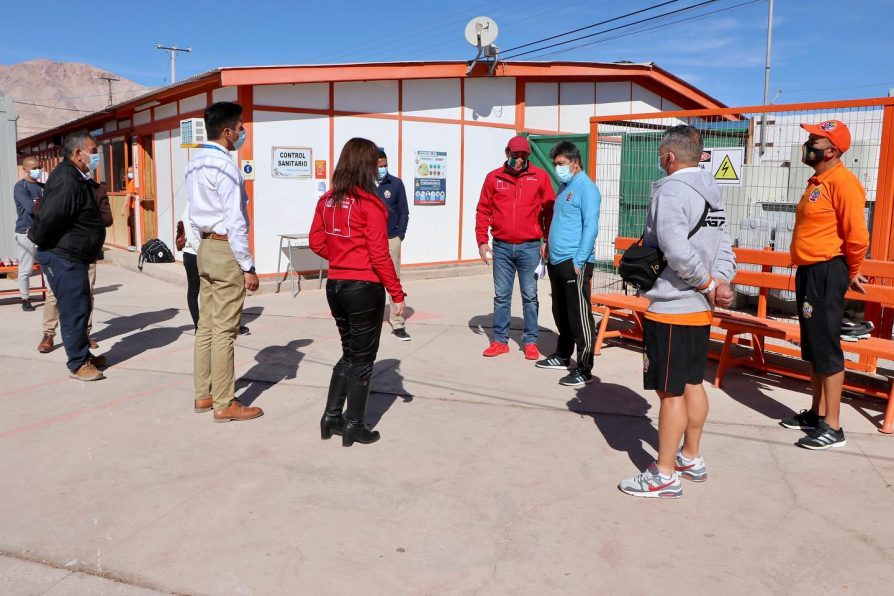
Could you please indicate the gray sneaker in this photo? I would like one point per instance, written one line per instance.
(693, 469)
(651, 485)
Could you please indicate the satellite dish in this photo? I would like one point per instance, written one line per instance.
(481, 31)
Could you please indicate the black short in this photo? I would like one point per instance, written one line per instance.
(819, 291)
(675, 355)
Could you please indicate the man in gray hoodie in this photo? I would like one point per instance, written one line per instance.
(687, 222)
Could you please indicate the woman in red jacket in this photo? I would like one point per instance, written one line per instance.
(350, 231)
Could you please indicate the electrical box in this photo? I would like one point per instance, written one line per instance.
(192, 132)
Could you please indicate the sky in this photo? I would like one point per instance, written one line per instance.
(822, 49)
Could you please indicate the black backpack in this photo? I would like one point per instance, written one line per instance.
(155, 251)
(641, 266)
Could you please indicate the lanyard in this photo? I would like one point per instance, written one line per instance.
(215, 147)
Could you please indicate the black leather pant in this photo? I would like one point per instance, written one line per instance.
(358, 308)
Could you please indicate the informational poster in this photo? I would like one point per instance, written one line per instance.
(292, 162)
(248, 169)
(320, 169)
(725, 164)
(430, 186)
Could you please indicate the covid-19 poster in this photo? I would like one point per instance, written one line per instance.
(430, 186)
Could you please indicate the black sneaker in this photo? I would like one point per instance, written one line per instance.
(401, 334)
(27, 306)
(806, 420)
(554, 362)
(243, 330)
(577, 378)
(823, 437)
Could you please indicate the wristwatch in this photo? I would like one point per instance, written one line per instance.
(252, 270)
(709, 288)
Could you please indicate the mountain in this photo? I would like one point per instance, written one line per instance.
(64, 91)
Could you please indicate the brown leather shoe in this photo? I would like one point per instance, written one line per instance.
(46, 344)
(87, 372)
(237, 412)
(93, 344)
(203, 405)
(98, 361)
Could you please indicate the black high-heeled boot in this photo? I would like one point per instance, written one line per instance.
(332, 421)
(354, 430)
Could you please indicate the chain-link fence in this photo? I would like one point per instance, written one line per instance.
(755, 159)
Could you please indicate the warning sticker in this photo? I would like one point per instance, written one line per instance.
(726, 165)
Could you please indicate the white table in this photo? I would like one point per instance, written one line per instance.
(293, 242)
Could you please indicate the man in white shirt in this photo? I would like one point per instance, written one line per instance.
(216, 196)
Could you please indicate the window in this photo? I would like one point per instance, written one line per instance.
(119, 174)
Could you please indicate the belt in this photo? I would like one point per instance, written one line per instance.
(212, 236)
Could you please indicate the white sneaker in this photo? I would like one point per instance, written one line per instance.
(691, 469)
(651, 484)
(132, 248)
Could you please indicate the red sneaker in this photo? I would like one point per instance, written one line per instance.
(531, 352)
(495, 349)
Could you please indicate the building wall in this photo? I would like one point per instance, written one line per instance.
(469, 119)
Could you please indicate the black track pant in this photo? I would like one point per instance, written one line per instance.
(572, 311)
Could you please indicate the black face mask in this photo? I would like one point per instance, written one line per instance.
(812, 155)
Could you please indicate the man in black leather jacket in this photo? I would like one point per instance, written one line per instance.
(69, 235)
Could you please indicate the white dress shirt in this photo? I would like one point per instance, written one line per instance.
(216, 199)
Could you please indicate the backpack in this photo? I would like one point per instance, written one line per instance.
(641, 266)
(155, 251)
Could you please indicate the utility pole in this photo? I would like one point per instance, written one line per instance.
(173, 51)
(109, 80)
(767, 78)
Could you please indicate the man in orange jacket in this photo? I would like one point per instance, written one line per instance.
(828, 245)
(516, 207)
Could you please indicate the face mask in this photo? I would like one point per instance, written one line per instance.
(811, 156)
(660, 167)
(382, 173)
(517, 163)
(35, 174)
(564, 174)
(240, 141)
(129, 176)
(93, 163)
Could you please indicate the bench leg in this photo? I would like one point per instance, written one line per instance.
(888, 423)
(603, 325)
(724, 358)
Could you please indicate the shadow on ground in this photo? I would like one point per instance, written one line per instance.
(274, 365)
(387, 386)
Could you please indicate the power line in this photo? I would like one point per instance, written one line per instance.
(648, 29)
(40, 105)
(609, 30)
(573, 31)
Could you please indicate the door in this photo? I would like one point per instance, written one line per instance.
(146, 190)
(542, 144)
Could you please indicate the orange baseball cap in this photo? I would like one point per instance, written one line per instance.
(834, 130)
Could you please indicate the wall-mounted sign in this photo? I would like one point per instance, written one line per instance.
(320, 169)
(248, 169)
(724, 163)
(430, 186)
(292, 162)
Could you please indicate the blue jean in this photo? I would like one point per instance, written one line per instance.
(510, 259)
(71, 286)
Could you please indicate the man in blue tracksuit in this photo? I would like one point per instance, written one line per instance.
(393, 194)
(571, 241)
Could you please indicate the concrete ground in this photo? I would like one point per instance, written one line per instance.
(490, 478)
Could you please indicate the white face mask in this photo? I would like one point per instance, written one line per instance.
(130, 175)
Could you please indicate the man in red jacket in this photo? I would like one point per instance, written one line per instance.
(516, 206)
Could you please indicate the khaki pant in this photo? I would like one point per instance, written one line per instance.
(221, 294)
(51, 312)
(397, 322)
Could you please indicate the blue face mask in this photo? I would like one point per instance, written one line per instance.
(35, 174)
(660, 167)
(240, 141)
(382, 173)
(94, 162)
(564, 174)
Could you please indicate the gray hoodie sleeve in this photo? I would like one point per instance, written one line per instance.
(725, 263)
(673, 219)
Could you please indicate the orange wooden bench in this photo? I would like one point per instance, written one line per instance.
(42, 289)
(758, 328)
